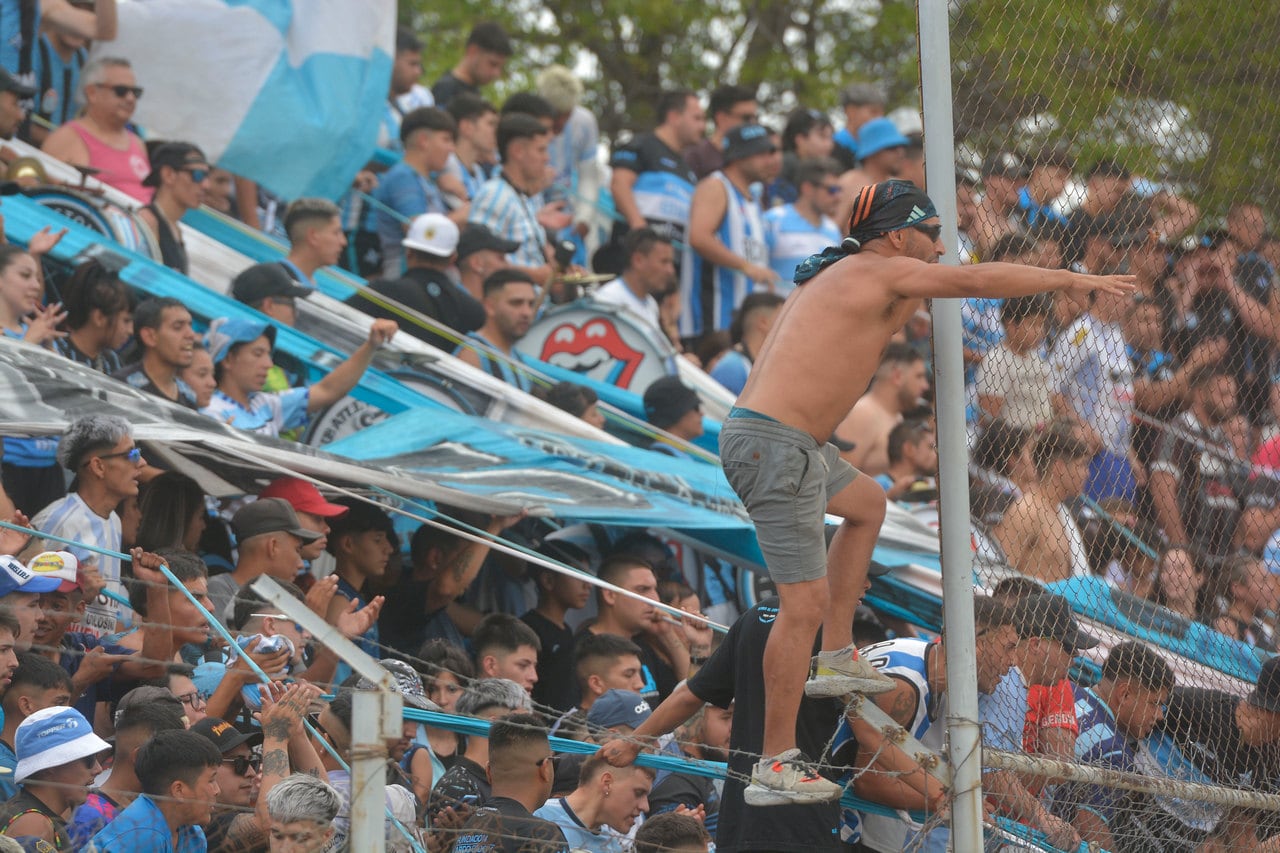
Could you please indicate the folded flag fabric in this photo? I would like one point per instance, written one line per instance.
(288, 93)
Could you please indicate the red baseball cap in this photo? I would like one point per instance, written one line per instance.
(303, 497)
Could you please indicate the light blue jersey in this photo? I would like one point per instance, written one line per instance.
(512, 215)
(904, 658)
(712, 293)
(268, 413)
(792, 239)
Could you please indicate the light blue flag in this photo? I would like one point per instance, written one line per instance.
(288, 93)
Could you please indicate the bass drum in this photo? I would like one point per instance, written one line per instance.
(606, 342)
(120, 225)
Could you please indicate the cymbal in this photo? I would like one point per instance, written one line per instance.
(587, 278)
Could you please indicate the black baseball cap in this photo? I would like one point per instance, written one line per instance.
(478, 238)
(262, 281)
(9, 83)
(1266, 694)
(667, 400)
(1005, 165)
(175, 155)
(1050, 616)
(746, 141)
(223, 735)
(269, 515)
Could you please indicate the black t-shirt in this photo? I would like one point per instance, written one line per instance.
(254, 841)
(430, 292)
(557, 678)
(645, 153)
(135, 376)
(449, 87)
(25, 802)
(465, 783)
(679, 789)
(1210, 494)
(506, 825)
(1202, 723)
(660, 679)
(735, 673)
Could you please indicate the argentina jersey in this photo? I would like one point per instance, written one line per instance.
(712, 293)
(664, 184)
(904, 659)
(792, 239)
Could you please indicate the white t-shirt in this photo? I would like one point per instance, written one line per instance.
(72, 518)
(616, 292)
(1025, 382)
(1096, 373)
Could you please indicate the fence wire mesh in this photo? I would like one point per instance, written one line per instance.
(1124, 451)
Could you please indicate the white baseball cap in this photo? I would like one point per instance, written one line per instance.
(433, 233)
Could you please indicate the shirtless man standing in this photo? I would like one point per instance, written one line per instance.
(1038, 534)
(815, 363)
(897, 386)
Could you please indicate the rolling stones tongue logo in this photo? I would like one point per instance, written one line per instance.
(586, 347)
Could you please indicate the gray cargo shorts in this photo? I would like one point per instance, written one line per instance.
(784, 478)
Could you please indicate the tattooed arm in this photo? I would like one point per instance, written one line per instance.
(457, 566)
(281, 718)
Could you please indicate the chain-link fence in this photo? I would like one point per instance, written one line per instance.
(1124, 451)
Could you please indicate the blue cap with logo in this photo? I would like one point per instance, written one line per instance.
(226, 332)
(618, 708)
(747, 140)
(52, 737)
(15, 577)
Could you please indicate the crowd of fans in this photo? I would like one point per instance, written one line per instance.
(1132, 441)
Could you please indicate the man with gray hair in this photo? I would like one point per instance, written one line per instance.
(105, 462)
(101, 137)
(302, 809)
(467, 781)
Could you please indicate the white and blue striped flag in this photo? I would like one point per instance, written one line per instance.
(288, 93)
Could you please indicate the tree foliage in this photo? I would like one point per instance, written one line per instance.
(1179, 88)
(795, 51)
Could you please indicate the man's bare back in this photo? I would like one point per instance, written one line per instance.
(826, 344)
(1034, 539)
(867, 427)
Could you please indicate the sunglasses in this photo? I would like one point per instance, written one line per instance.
(192, 699)
(197, 175)
(933, 232)
(133, 454)
(241, 763)
(122, 91)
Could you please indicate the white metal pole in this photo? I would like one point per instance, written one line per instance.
(375, 718)
(965, 733)
(370, 709)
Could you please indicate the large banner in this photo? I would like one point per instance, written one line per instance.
(286, 92)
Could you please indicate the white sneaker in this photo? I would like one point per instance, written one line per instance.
(843, 672)
(788, 779)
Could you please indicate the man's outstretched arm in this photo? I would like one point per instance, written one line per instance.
(913, 279)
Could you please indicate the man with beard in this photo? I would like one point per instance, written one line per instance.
(727, 235)
(896, 387)
(510, 297)
(774, 445)
(1195, 496)
(913, 462)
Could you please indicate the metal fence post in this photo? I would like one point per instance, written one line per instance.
(965, 734)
